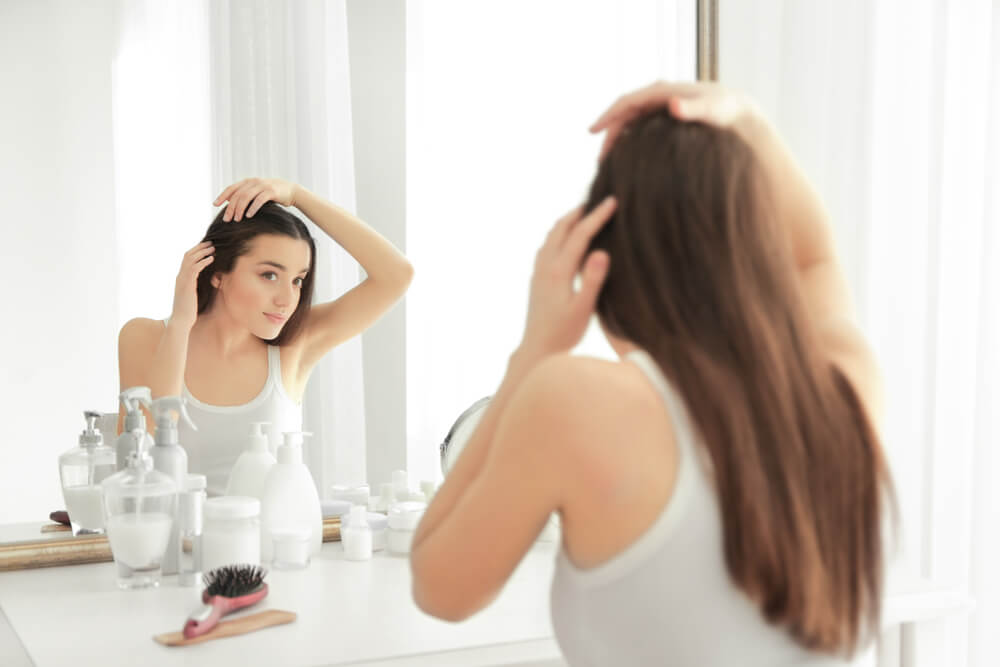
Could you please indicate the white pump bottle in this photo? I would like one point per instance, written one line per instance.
(290, 501)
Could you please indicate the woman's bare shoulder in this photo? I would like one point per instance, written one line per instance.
(140, 332)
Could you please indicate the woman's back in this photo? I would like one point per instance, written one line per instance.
(661, 589)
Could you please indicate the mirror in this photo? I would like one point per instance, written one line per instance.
(129, 121)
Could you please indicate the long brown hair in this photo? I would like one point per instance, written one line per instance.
(232, 239)
(702, 277)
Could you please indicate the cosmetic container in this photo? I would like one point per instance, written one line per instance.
(81, 471)
(290, 498)
(192, 520)
(403, 519)
(334, 507)
(231, 532)
(356, 494)
(139, 506)
(377, 522)
(357, 536)
(291, 549)
(170, 458)
(249, 474)
(133, 399)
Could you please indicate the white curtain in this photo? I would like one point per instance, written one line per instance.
(499, 99)
(892, 109)
(206, 93)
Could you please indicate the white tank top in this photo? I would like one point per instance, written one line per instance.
(667, 599)
(224, 430)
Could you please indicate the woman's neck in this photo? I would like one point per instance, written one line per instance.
(222, 336)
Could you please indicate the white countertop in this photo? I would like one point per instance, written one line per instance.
(348, 613)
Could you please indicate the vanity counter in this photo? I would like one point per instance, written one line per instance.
(348, 613)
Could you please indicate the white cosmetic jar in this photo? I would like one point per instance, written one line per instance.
(403, 519)
(231, 532)
(377, 522)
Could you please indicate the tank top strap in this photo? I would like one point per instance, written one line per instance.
(683, 430)
(274, 365)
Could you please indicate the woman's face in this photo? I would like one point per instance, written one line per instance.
(263, 289)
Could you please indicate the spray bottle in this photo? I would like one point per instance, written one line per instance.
(171, 459)
(133, 399)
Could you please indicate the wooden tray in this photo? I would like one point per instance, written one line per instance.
(69, 550)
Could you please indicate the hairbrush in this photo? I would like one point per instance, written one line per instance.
(226, 589)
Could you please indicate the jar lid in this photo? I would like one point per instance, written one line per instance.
(232, 507)
(335, 507)
(376, 521)
(406, 515)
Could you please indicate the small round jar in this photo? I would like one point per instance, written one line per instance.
(231, 532)
(378, 523)
(403, 519)
(291, 549)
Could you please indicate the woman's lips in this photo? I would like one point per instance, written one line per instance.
(277, 319)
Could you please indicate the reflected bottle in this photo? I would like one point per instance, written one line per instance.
(139, 506)
(81, 471)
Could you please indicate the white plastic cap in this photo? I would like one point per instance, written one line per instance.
(232, 507)
(359, 516)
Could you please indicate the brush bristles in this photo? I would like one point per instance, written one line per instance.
(232, 581)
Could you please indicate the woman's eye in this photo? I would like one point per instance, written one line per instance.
(299, 281)
(270, 275)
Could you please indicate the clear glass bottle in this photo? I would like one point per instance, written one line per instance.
(81, 471)
(139, 509)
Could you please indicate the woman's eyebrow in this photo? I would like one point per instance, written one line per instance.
(280, 266)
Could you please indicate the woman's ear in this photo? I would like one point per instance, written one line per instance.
(216, 280)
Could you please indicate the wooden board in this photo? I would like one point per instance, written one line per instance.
(238, 626)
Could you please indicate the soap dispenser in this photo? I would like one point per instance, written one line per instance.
(249, 474)
(81, 471)
(139, 505)
(133, 399)
(290, 499)
(170, 459)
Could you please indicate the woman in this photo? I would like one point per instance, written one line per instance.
(244, 335)
(722, 491)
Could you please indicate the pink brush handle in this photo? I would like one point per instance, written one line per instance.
(215, 607)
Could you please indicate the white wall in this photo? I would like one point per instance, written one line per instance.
(58, 338)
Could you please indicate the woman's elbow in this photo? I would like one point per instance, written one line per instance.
(435, 596)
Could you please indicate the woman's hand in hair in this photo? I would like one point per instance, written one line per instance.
(248, 195)
(558, 315)
(185, 288)
(703, 102)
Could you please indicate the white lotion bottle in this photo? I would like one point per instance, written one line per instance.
(290, 499)
(133, 399)
(171, 459)
(249, 474)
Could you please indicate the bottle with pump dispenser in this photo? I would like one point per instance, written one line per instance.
(249, 474)
(133, 399)
(290, 501)
(139, 505)
(170, 459)
(81, 471)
